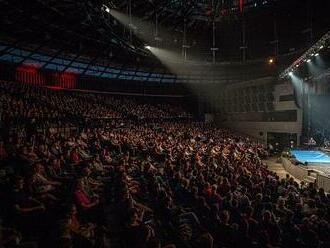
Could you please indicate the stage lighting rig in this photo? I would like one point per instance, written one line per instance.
(314, 51)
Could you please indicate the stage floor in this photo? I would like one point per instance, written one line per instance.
(311, 156)
(316, 160)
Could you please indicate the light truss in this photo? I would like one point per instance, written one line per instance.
(308, 55)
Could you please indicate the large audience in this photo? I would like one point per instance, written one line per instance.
(153, 183)
(24, 102)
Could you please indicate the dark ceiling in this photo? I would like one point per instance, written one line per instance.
(68, 26)
(83, 27)
(296, 24)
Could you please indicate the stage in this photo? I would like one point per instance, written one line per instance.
(313, 160)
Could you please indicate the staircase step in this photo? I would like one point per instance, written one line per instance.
(310, 179)
(313, 174)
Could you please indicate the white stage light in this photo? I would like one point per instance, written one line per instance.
(106, 8)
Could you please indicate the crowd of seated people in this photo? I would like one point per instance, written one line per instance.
(140, 110)
(25, 101)
(151, 184)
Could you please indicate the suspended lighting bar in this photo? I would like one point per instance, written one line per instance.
(313, 51)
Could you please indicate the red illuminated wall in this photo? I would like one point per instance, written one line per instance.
(31, 74)
(65, 80)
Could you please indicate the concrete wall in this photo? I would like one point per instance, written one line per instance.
(259, 129)
(209, 118)
(295, 170)
(323, 181)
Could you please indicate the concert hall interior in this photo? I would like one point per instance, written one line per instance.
(165, 123)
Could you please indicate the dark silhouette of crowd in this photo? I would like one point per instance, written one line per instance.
(134, 183)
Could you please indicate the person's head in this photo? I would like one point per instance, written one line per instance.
(281, 202)
(86, 171)
(225, 216)
(206, 241)
(267, 216)
(214, 210)
(133, 215)
(24, 150)
(79, 184)
(249, 211)
(207, 185)
(37, 168)
(214, 188)
(311, 203)
(55, 163)
(19, 182)
(73, 209)
(155, 243)
(321, 191)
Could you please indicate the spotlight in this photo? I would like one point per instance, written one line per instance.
(308, 60)
(106, 8)
(147, 47)
(321, 47)
(271, 61)
(316, 54)
(290, 73)
(297, 65)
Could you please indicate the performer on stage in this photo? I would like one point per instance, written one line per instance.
(312, 141)
(291, 144)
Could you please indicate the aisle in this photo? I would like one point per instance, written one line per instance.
(277, 167)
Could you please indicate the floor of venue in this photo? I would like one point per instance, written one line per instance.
(316, 160)
(311, 156)
(275, 165)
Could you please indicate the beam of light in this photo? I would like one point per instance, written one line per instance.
(298, 85)
(144, 30)
(313, 68)
(320, 62)
(173, 61)
(168, 58)
(316, 66)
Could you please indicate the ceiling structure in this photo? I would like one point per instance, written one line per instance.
(171, 11)
(270, 27)
(76, 27)
(83, 28)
